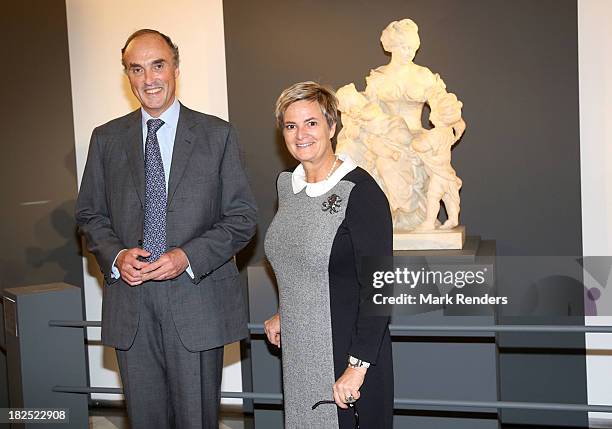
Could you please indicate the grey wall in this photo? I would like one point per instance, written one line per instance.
(513, 63)
(39, 243)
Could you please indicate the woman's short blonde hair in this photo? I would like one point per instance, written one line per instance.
(309, 91)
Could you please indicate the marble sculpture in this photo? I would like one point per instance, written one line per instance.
(382, 132)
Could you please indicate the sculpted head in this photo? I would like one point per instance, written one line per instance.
(402, 38)
(349, 99)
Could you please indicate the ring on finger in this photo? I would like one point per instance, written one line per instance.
(349, 399)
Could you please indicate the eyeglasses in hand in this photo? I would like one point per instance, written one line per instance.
(351, 405)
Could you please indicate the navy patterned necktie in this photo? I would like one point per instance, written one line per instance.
(154, 231)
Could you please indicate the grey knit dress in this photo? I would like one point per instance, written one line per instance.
(312, 250)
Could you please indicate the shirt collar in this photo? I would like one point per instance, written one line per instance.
(298, 178)
(170, 116)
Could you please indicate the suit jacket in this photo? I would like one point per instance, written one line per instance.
(210, 215)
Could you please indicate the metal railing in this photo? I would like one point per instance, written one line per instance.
(399, 403)
(399, 330)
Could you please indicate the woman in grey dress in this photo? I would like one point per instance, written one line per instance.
(330, 215)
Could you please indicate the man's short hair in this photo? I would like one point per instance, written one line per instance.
(142, 32)
(308, 91)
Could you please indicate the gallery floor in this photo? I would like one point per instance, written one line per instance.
(116, 418)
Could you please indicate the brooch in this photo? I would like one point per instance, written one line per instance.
(332, 205)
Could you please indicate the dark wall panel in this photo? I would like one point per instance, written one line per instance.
(37, 168)
(512, 63)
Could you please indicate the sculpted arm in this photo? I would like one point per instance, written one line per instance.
(420, 143)
(445, 108)
(379, 148)
(458, 129)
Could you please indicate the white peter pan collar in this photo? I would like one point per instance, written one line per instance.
(298, 178)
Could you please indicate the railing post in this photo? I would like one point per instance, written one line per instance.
(39, 356)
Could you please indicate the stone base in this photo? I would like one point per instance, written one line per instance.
(430, 240)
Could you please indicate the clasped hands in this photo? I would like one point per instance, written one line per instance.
(346, 386)
(135, 272)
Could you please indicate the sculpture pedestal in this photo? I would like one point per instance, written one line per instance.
(438, 239)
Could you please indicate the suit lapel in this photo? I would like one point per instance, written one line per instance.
(183, 146)
(134, 149)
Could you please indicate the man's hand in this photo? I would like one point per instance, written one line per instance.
(272, 327)
(348, 384)
(129, 265)
(169, 265)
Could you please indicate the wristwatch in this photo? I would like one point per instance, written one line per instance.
(353, 362)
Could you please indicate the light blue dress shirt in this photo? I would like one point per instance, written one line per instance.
(165, 136)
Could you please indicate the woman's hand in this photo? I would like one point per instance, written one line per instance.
(272, 328)
(348, 385)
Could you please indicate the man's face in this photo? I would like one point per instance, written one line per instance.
(152, 73)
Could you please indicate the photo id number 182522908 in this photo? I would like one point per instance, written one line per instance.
(34, 415)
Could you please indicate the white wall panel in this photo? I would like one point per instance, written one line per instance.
(97, 30)
(595, 82)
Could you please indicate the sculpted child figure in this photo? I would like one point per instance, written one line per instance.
(434, 148)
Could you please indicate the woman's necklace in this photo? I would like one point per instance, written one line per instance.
(332, 168)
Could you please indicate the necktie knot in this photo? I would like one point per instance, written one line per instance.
(153, 125)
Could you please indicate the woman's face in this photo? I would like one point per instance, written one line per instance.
(306, 133)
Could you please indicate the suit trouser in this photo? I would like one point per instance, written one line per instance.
(167, 386)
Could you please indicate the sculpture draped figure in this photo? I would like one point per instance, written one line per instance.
(383, 133)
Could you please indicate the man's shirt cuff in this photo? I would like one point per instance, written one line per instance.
(115, 274)
(189, 270)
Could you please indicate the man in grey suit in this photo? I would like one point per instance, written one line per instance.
(164, 205)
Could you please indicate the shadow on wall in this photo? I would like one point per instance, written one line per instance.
(70, 163)
(54, 255)
(62, 222)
